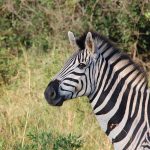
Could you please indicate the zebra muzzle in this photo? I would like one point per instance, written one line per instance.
(52, 95)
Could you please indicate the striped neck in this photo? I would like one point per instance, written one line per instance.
(121, 97)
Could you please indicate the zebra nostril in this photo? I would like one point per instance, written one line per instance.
(52, 94)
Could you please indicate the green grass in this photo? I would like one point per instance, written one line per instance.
(25, 115)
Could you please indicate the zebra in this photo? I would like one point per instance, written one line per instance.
(117, 89)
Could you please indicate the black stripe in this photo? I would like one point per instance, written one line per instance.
(86, 82)
(148, 109)
(69, 85)
(108, 76)
(71, 79)
(80, 89)
(90, 79)
(77, 73)
(78, 58)
(86, 55)
(146, 146)
(82, 56)
(62, 89)
(148, 136)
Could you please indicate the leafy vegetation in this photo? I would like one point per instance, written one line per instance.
(126, 23)
(34, 46)
(45, 140)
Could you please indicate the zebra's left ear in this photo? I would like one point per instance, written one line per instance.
(89, 43)
(72, 40)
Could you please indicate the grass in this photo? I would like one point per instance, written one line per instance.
(25, 115)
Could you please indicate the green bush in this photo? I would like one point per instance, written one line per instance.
(38, 23)
(44, 140)
(38, 26)
(69, 142)
(126, 23)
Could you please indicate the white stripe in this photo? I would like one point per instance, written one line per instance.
(146, 108)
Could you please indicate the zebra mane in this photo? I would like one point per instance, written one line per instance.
(99, 38)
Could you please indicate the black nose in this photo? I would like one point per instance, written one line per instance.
(51, 92)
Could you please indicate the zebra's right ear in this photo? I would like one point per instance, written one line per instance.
(89, 43)
(72, 40)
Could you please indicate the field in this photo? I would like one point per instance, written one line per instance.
(24, 111)
(34, 47)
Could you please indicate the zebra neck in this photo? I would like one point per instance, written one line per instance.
(121, 98)
(120, 106)
(122, 114)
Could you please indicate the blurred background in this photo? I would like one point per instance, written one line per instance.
(33, 48)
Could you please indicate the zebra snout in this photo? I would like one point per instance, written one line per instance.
(51, 92)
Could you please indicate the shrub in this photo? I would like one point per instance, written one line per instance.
(70, 142)
(126, 23)
(45, 140)
(37, 25)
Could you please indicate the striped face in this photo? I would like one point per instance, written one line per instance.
(74, 79)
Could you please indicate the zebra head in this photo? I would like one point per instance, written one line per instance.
(74, 79)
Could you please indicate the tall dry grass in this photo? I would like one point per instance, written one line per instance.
(23, 108)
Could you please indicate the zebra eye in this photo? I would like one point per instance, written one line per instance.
(81, 65)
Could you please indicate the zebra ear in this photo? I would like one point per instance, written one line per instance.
(72, 40)
(89, 43)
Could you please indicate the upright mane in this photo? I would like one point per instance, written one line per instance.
(102, 39)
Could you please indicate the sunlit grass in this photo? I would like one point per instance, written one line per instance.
(23, 108)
